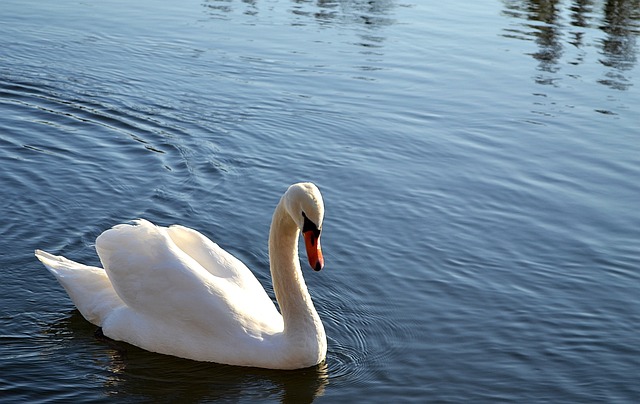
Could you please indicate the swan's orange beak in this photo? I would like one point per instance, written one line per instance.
(314, 252)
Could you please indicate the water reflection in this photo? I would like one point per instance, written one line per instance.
(619, 47)
(369, 14)
(158, 378)
(128, 371)
(545, 22)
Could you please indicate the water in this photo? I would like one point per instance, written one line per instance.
(479, 164)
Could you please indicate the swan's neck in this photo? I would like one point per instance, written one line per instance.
(301, 321)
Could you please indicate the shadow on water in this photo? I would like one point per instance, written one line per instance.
(545, 22)
(135, 374)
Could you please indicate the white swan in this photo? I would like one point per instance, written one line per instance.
(173, 291)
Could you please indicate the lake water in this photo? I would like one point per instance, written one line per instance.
(479, 161)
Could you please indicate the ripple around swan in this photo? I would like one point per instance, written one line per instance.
(360, 341)
(46, 102)
(103, 142)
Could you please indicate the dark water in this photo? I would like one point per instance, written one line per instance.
(480, 164)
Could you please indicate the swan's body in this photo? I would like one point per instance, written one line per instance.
(173, 291)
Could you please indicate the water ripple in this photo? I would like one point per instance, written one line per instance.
(360, 340)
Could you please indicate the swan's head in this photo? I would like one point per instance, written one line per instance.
(303, 202)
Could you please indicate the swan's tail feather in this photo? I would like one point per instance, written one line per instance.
(88, 287)
(56, 264)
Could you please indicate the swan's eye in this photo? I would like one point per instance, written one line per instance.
(308, 225)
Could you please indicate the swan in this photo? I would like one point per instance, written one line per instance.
(173, 291)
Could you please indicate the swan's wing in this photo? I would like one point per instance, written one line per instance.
(146, 268)
(215, 259)
(152, 275)
(89, 287)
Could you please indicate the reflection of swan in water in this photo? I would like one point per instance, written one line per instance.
(189, 381)
(148, 377)
(173, 291)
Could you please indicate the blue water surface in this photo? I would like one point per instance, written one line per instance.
(480, 165)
